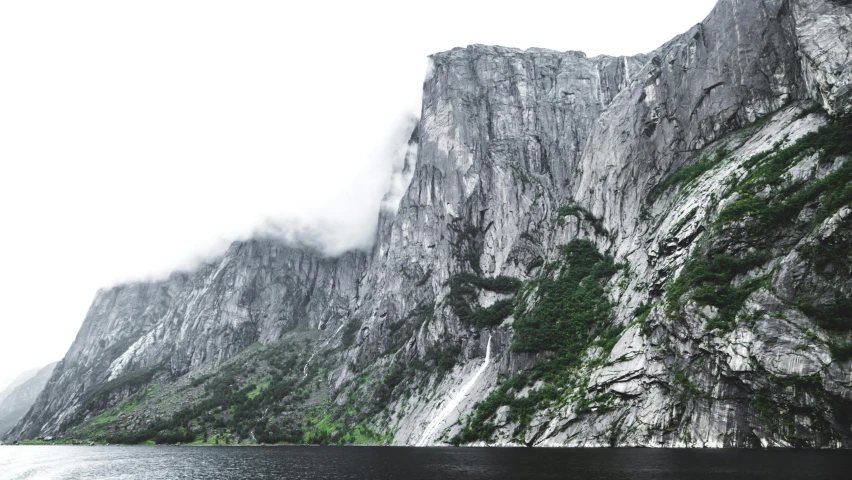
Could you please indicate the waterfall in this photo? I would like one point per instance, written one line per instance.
(454, 402)
(324, 344)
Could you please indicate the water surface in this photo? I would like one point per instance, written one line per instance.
(244, 463)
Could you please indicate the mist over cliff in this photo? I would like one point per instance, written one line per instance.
(17, 399)
(574, 251)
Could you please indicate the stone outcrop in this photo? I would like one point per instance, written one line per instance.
(255, 293)
(14, 402)
(507, 140)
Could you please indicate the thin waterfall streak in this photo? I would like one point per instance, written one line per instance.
(305, 370)
(436, 422)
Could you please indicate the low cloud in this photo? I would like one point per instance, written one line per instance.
(144, 137)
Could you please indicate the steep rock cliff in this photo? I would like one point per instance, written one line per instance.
(155, 332)
(500, 132)
(15, 402)
(701, 196)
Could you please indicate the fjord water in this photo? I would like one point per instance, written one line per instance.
(379, 463)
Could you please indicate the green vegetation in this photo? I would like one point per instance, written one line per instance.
(709, 275)
(841, 351)
(835, 316)
(683, 221)
(485, 317)
(467, 244)
(232, 406)
(439, 359)
(776, 406)
(561, 314)
(830, 256)
(563, 311)
(258, 389)
(532, 237)
(499, 284)
(687, 174)
(582, 214)
(641, 312)
(710, 279)
(640, 317)
(326, 424)
(767, 170)
(420, 314)
(773, 214)
(463, 294)
(685, 389)
(815, 108)
(467, 247)
(480, 425)
(98, 398)
(124, 408)
(569, 307)
(255, 398)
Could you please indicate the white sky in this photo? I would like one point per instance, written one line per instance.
(137, 137)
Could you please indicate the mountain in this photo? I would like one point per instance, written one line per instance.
(649, 250)
(19, 397)
(17, 381)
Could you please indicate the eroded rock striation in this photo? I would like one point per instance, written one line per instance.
(648, 250)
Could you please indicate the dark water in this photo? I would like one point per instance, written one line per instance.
(343, 463)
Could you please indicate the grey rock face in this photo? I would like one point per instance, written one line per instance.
(500, 132)
(507, 137)
(255, 293)
(15, 402)
(823, 31)
(738, 65)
